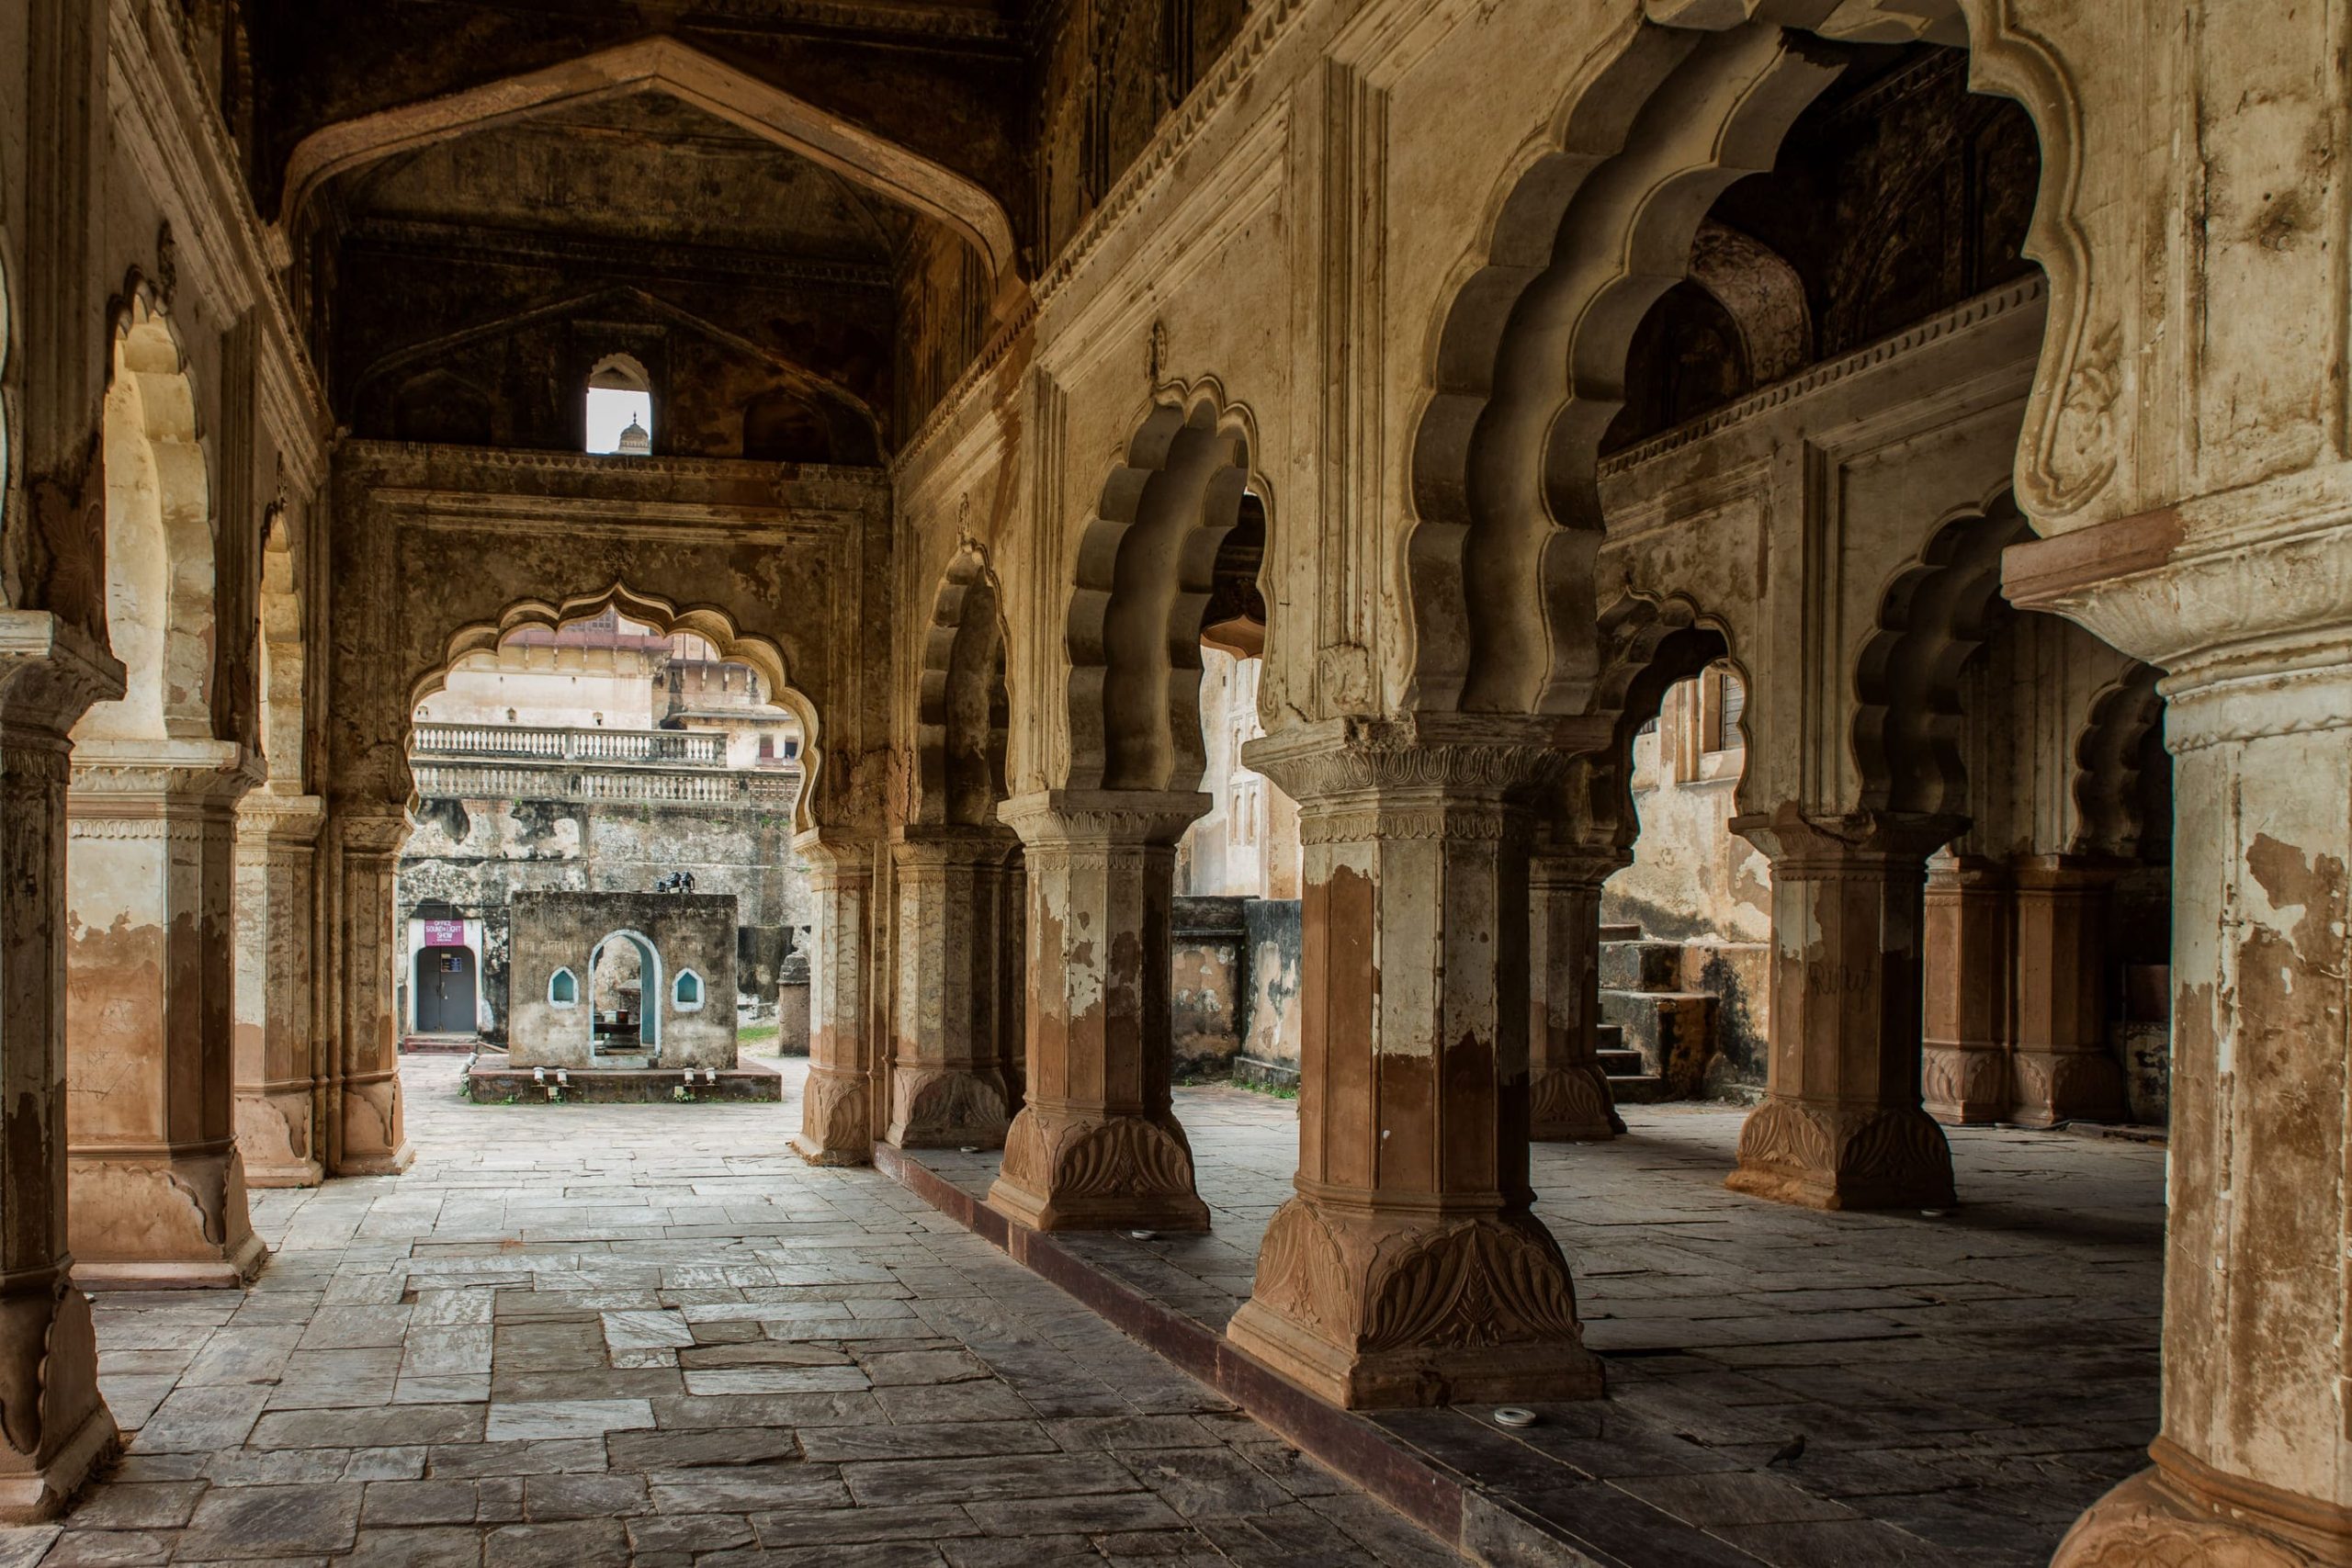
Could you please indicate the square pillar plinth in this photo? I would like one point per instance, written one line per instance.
(2065, 1070)
(158, 1191)
(1964, 1051)
(1841, 1124)
(55, 1429)
(947, 1087)
(1411, 1267)
(1097, 1145)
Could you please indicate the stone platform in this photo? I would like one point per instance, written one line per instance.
(491, 1081)
(1966, 1383)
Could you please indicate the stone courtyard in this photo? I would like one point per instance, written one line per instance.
(649, 1333)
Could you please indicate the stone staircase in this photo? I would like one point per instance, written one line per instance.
(1655, 1038)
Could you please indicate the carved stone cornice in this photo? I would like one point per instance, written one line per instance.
(276, 820)
(920, 845)
(141, 778)
(52, 671)
(1554, 866)
(1424, 758)
(1861, 845)
(1100, 817)
(2245, 599)
(837, 860)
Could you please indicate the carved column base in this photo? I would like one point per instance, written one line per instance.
(373, 1141)
(1834, 1157)
(1965, 1086)
(1572, 1104)
(948, 1108)
(2067, 1086)
(159, 1219)
(1386, 1309)
(49, 1357)
(1067, 1170)
(2182, 1515)
(272, 1134)
(834, 1128)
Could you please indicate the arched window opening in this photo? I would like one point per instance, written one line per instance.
(563, 989)
(620, 407)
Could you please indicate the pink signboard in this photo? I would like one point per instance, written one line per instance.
(445, 933)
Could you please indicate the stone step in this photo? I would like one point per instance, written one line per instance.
(1674, 1032)
(1641, 965)
(1626, 932)
(1624, 1062)
(1609, 1036)
(1637, 1088)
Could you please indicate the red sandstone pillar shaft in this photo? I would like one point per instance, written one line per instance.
(1013, 978)
(1409, 1269)
(1965, 1028)
(158, 1193)
(1566, 1089)
(837, 1100)
(947, 1086)
(1097, 1145)
(2065, 1068)
(2255, 1463)
(365, 1135)
(1841, 1125)
(54, 1427)
(278, 1076)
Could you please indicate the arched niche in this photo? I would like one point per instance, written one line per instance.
(159, 571)
(652, 992)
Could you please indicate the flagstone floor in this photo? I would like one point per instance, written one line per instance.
(577, 1336)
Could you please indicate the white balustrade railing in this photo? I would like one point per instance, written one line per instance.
(688, 748)
(772, 790)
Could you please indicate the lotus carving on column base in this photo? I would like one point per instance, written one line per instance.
(1063, 1171)
(1965, 1084)
(949, 1108)
(1840, 1157)
(2067, 1086)
(1371, 1310)
(835, 1125)
(2141, 1525)
(57, 1430)
(1572, 1103)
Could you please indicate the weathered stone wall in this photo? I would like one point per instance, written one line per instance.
(478, 854)
(688, 933)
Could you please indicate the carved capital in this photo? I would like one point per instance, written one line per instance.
(1859, 845)
(52, 671)
(1102, 818)
(1349, 763)
(915, 847)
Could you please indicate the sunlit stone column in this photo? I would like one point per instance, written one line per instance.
(1097, 1145)
(158, 1193)
(1566, 1089)
(2065, 1068)
(1965, 1033)
(2253, 1467)
(837, 1101)
(947, 1086)
(280, 1084)
(1841, 1126)
(1409, 1269)
(55, 1428)
(365, 1131)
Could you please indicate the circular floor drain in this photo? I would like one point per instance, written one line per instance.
(1513, 1416)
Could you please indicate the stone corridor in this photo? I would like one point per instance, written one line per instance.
(651, 1335)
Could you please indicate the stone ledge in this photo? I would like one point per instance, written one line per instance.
(490, 1083)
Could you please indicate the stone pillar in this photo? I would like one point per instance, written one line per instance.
(836, 1100)
(2254, 1465)
(364, 1134)
(1012, 978)
(2065, 1068)
(1410, 1269)
(1965, 1030)
(280, 1084)
(54, 1427)
(158, 1191)
(1567, 1092)
(948, 1085)
(1841, 1125)
(1097, 1145)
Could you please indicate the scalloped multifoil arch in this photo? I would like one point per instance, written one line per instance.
(2108, 786)
(1592, 223)
(659, 64)
(713, 625)
(960, 774)
(1648, 643)
(1145, 568)
(1934, 614)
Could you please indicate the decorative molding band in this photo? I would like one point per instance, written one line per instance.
(813, 477)
(1969, 313)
